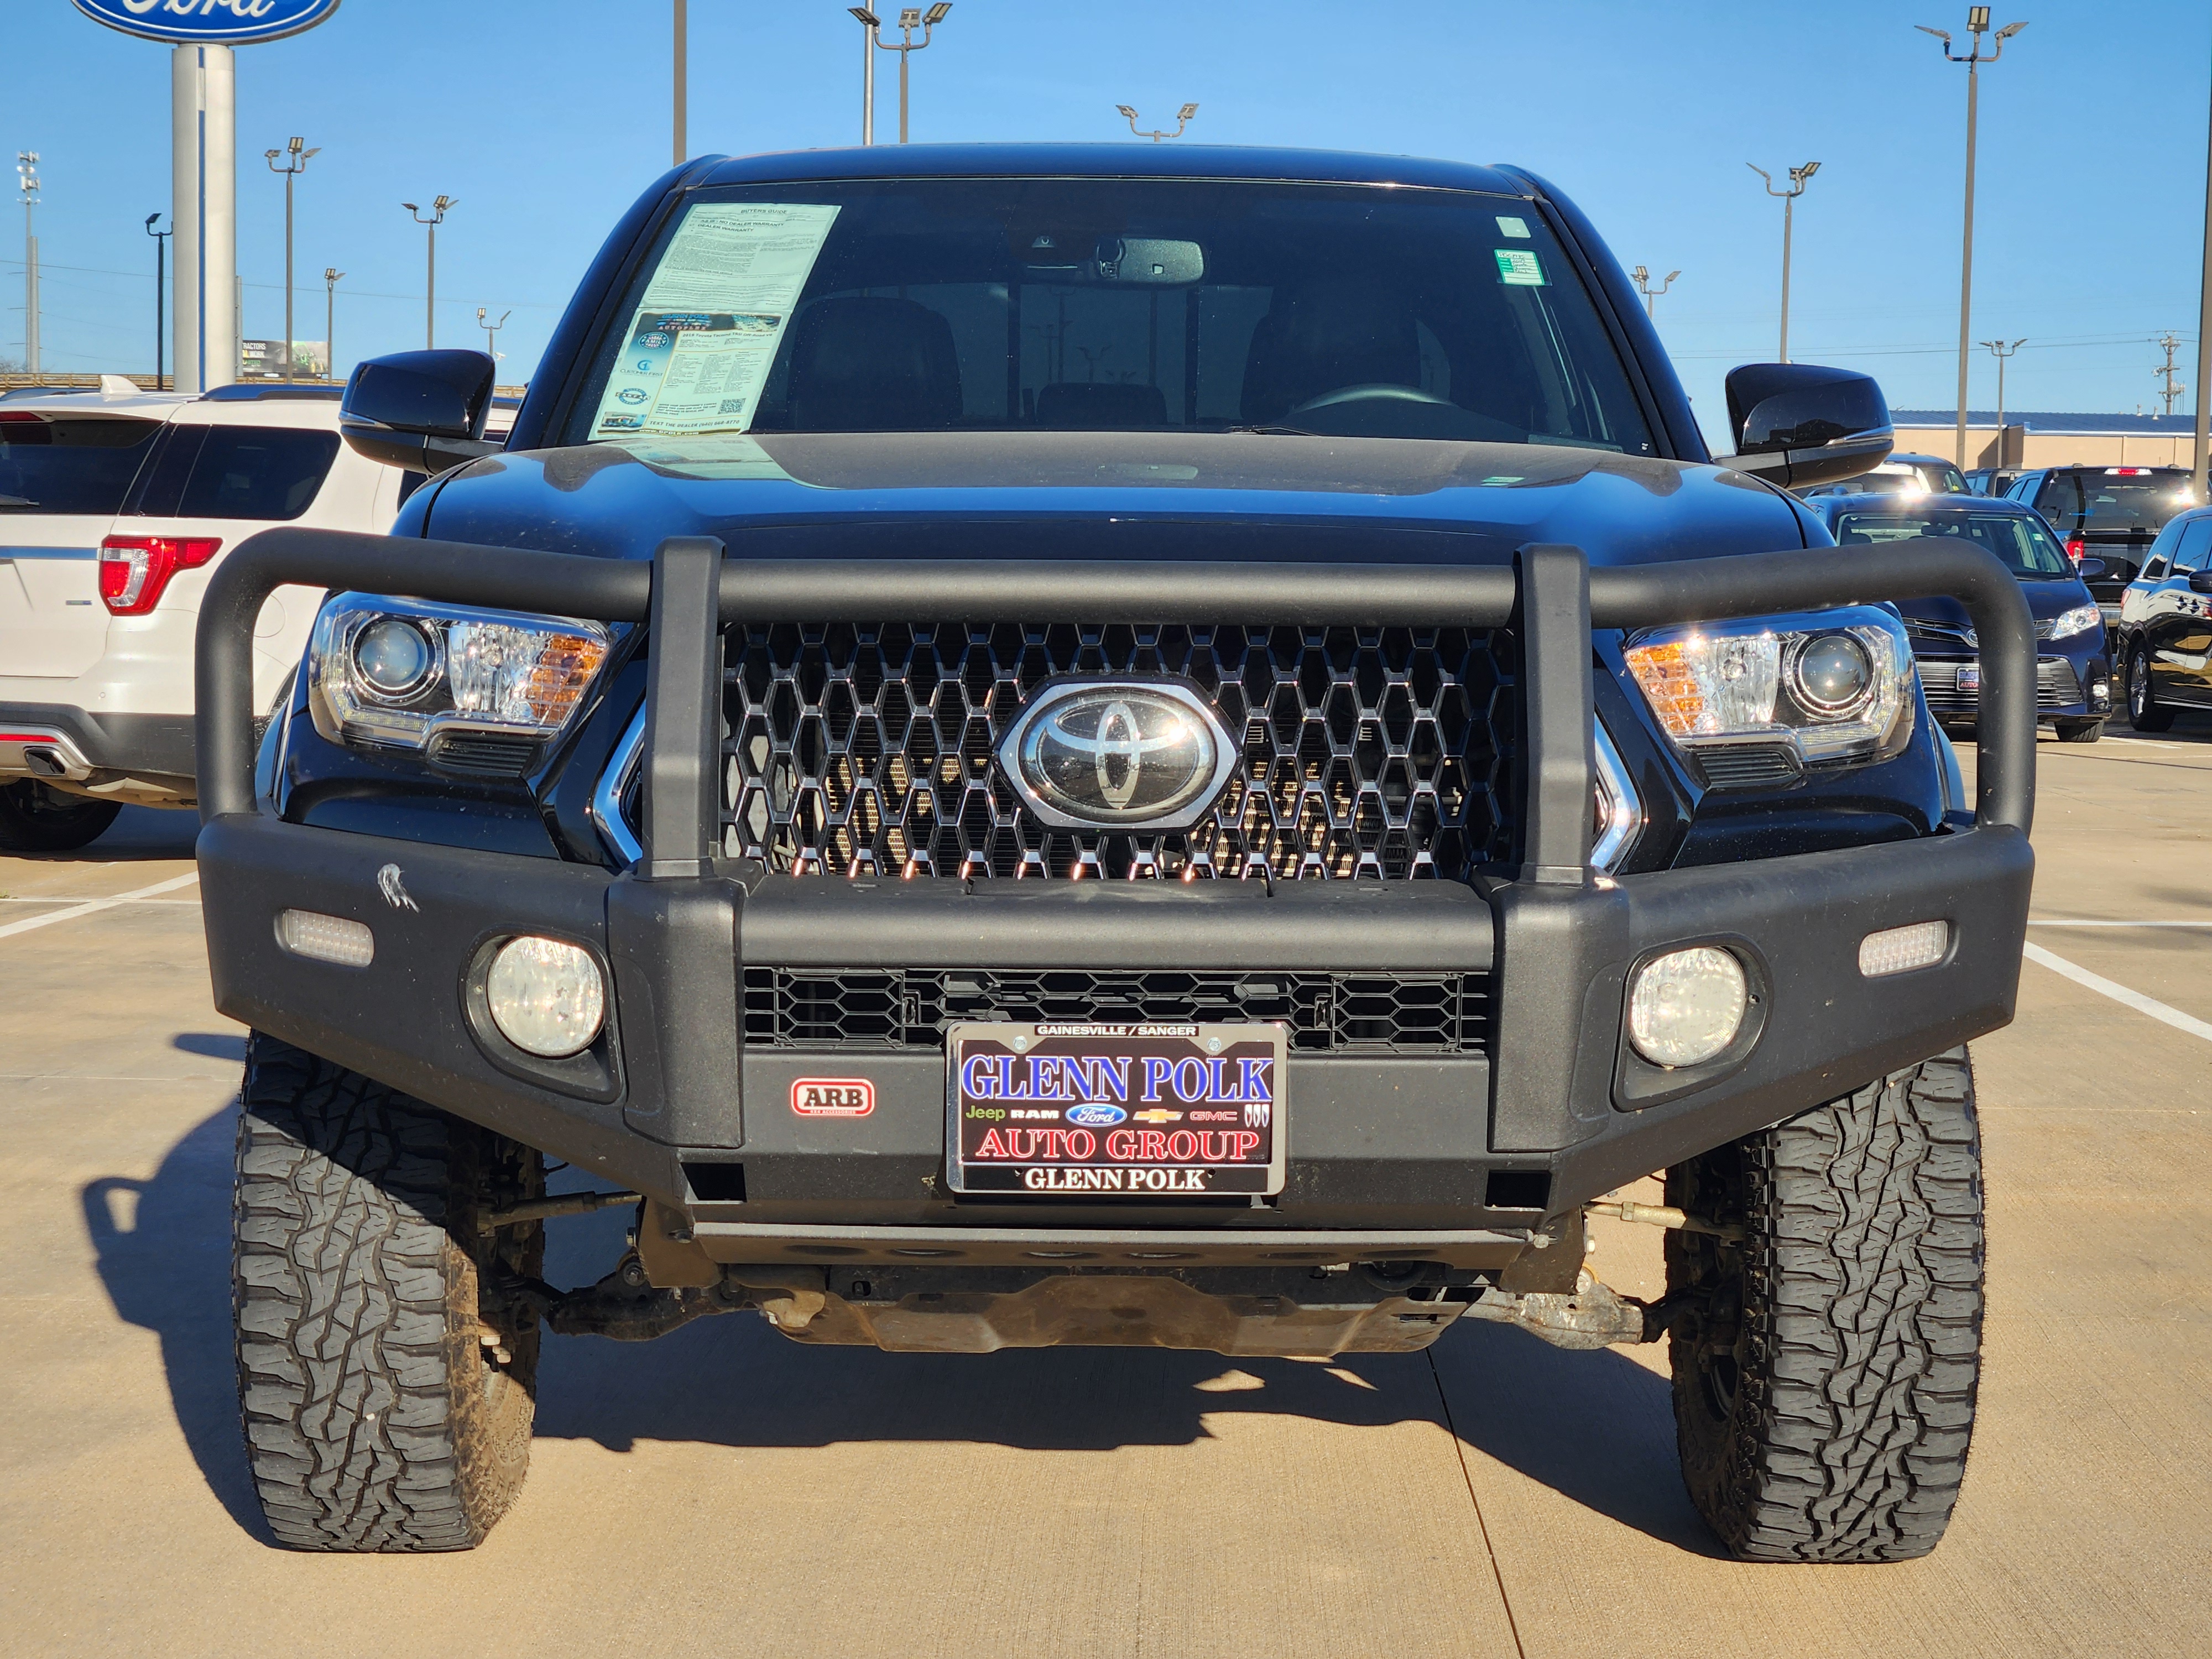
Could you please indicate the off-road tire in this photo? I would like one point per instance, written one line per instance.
(1825, 1373)
(379, 1414)
(2079, 731)
(35, 819)
(2144, 713)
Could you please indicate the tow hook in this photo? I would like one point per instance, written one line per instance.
(1665, 1215)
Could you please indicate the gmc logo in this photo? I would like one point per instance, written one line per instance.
(833, 1096)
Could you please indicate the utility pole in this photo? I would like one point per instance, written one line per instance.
(2002, 351)
(430, 302)
(331, 278)
(161, 286)
(1978, 23)
(1642, 277)
(2169, 388)
(491, 334)
(27, 175)
(1182, 120)
(295, 164)
(682, 87)
(1798, 178)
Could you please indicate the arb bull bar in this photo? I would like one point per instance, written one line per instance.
(1456, 1160)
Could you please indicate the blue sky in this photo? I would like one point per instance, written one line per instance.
(544, 118)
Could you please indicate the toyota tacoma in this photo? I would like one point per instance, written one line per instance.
(1055, 744)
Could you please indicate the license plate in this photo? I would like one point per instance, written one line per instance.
(1970, 677)
(1086, 1110)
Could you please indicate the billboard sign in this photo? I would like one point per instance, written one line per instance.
(209, 23)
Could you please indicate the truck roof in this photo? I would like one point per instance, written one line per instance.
(1108, 162)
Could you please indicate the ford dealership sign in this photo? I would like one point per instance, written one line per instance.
(209, 23)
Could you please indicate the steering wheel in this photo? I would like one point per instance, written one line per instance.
(1372, 392)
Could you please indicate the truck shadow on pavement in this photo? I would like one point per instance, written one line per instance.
(1594, 1427)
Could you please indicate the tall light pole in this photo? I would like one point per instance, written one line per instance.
(1978, 23)
(683, 87)
(870, 23)
(910, 19)
(491, 334)
(331, 278)
(296, 158)
(1798, 178)
(1182, 120)
(430, 302)
(2001, 349)
(2204, 342)
(161, 286)
(26, 177)
(1642, 277)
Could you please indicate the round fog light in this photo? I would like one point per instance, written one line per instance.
(545, 996)
(1687, 1006)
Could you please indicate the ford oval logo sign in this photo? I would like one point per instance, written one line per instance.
(209, 23)
(1094, 754)
(1096, 1116)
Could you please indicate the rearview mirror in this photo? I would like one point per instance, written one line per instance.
(423, 411)
(1797, 424)
(2200, 581)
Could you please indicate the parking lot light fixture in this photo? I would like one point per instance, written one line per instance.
(870, 27)
(437, 216)
(910, 19)
(296, 157)
(161, 286)
(1642, 277)
(1799, 177)
(331, 278)
(1977, 23)
(491, 334)
(1182, 120)
(2001, 349)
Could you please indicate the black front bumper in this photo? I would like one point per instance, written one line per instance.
(1451, 1156)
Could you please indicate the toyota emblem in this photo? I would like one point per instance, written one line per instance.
(1093, 754)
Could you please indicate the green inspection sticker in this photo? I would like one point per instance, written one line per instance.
(1518, 267)
(1511, 227)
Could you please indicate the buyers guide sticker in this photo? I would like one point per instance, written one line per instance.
(698, 350)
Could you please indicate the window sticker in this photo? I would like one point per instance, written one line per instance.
(1517, 267)
(699, 348)
(1511, 226)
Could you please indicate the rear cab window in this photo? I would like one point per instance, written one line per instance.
(266, 473)
(67, 463)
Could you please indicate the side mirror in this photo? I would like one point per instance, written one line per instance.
(1797, 424)
(2200, 581)
(2089, 569)
(423, 411)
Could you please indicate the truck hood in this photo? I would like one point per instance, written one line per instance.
(1134, 494)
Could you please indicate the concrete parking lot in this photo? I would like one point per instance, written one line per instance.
(726, 1492)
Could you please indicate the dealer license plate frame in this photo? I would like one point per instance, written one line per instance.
(1137, 1039)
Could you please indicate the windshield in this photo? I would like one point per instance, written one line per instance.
(57, 464)
(1110, 305)
(2025, 545)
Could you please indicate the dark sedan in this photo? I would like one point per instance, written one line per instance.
(2073, 677)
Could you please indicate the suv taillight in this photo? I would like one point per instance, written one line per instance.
(134, 569)
(2076, 549)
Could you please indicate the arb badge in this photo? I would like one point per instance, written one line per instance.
(833, 1096)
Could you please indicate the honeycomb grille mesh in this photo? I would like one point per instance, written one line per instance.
(1423, 1014)
(869, 750)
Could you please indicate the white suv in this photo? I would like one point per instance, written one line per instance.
(115, 509)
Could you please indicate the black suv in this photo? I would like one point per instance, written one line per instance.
(1181, 748)
(2108, 513)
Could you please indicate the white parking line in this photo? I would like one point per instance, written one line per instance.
(2053, 921)
(87, 908)
(2119, 993)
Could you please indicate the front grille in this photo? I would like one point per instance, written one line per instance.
(1419, 1013)
(869, 750)
(2055, 685)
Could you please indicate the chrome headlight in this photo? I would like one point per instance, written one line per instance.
(1836, 686)
(394, 673)
(2080, 620)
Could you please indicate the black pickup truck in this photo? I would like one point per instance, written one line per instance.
(1124, 746)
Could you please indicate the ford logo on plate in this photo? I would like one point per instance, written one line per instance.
(1094, 1117)
(1118, 754)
